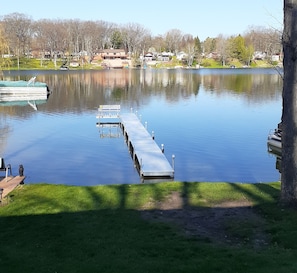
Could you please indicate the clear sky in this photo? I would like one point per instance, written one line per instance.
(202, 18)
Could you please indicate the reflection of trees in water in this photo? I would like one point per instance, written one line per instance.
(131, 88)
(78, 91)
(254, 87)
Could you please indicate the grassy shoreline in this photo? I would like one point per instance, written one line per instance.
(58, 228)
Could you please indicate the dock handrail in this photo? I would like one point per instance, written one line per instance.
(5, 168)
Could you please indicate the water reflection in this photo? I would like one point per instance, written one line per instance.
(109, 130)
(277, 154)
(82, 90)
(31, 100)
(278, 160)
(214, 121)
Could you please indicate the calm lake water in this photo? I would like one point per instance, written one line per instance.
(214, 121)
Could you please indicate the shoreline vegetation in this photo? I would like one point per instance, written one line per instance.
(36, 64)
(162, 227)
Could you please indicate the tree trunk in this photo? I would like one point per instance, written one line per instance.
(289, 114)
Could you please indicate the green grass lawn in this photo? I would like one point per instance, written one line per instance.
(57, 228)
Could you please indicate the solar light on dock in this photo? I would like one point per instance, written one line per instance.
(173, 157)
(153, 135)
(162, 148)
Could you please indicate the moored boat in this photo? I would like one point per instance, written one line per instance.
(274, 140)
(17, 88)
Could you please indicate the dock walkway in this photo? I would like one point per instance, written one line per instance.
(149, 158)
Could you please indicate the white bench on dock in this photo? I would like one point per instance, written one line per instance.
(109, 111)
(145, 152)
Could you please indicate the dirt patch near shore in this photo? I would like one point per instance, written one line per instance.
(235, 223)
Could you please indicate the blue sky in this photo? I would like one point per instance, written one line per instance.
(202, 18)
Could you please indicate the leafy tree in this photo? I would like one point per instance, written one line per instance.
(116, 39)
(198, 45)
(239, 50)
(237, 47)
(198, 50)
(209, 45)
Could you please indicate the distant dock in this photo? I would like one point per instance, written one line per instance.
(147, 156)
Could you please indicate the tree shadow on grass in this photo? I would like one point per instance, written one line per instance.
(233, 222)
(89, 230)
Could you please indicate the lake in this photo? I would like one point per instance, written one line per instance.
(214, 121)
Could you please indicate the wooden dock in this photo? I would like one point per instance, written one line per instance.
(8, 184)
(148, 157)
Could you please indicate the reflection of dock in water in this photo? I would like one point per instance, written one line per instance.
(147, 156)
(109, 121)
(24, 99)
(109, 130)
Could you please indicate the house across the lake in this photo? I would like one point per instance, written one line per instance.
(113, 58)
(111, 54)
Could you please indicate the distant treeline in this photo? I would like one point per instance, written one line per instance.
(22, 36)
